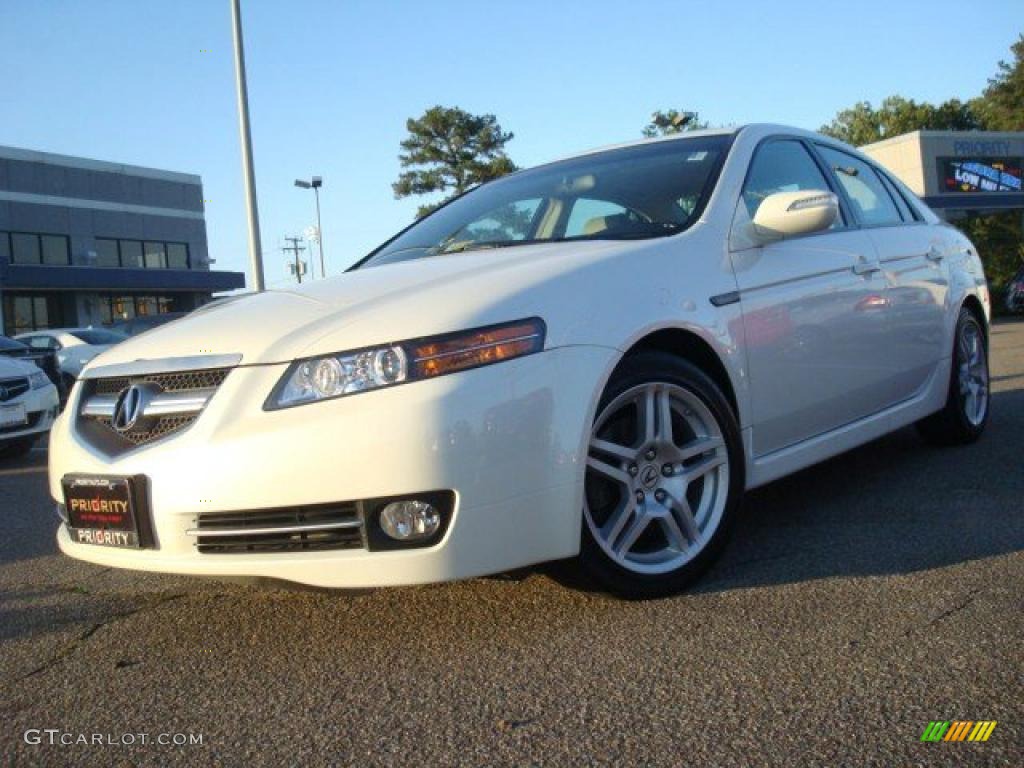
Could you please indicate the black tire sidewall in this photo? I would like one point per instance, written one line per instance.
(955, 403)
(646, 368)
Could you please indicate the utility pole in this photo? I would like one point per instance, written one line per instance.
(315, 185)
(248, 175)
(295, 265)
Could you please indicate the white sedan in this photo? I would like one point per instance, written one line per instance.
(594, 358)
(28, 406)
(72, 347)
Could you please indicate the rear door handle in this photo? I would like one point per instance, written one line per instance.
(934, 254)
(865, 267)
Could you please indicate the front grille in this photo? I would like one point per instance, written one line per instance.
(100, 396)
(33, 420)
(163, 426)
(180, 381)
(295, 529)
(12, 388)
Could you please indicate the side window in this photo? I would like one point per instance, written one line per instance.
(906, 211)
(862, 185)
(588, 217)
(781, 166)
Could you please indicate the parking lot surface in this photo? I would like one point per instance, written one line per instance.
(859, 600)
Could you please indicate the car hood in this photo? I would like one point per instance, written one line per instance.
(12, 368)
(371, 306)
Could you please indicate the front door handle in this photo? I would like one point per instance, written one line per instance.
(865, 267)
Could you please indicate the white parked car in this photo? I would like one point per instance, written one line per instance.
(593, 358)
(73, 347)
(28, 406)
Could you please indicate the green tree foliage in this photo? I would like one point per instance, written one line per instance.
(1001, 105)
(863, 124)
(449, 150)
(997, 237)
(666, 122)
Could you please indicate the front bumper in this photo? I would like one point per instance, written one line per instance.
(41, 405)
(508, 439)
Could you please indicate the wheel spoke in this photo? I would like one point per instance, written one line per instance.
(637, 527)
(684, 516)
(609, 471)
(647, 408)
(665, 417)
(676, 538)
(699, 446)
(623, 452)
(617, 520)
(701, 467)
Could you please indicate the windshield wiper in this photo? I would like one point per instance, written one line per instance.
(472, 245)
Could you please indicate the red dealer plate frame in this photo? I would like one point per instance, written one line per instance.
(106, 511)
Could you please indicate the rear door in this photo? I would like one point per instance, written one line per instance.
(814, 310)
(912, 254)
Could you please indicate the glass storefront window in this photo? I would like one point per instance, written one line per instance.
(131, 254)
(55, 250)
(25, 248)
(24, 312)
(156, 256)
(106, 253)
(177, 256)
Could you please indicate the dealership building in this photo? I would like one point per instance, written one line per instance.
(957, 173)
(86, 242)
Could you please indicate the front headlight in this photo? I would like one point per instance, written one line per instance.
(38, 380)
(347, 373)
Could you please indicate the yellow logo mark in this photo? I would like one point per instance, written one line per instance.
(968, 730)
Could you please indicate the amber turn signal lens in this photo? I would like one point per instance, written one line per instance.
(472, 349)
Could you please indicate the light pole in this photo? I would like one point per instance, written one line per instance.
(252, 212)
(315, 185)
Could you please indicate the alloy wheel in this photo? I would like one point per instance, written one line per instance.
(657, 479)
(973, 374)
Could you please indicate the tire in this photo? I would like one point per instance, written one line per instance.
(965, 414)
(17, 448)
(657, 509)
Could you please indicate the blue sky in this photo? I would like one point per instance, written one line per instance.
(150, 82)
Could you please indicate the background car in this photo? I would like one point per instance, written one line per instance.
(72, 348)
(142, 323)
(1015, 293)
(28, 405)
(46, 359)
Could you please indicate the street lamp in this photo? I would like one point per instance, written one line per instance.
(315, 185)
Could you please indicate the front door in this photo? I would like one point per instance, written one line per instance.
(814, 312)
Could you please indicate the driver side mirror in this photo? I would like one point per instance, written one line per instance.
(785, 214)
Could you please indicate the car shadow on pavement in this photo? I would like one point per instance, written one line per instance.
(896, 505)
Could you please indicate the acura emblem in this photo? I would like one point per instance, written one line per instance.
(130, 407)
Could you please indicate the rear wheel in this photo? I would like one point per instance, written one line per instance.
(963, 418)
(664, 478)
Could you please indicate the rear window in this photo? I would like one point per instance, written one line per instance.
(99, 337)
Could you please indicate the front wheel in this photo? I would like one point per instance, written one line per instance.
(664, 478)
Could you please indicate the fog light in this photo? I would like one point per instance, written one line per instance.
(410, 520)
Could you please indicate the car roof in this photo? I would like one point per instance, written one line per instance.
(760, 129)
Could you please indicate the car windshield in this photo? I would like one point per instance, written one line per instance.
(99, 337)
(643, 191)
(10, 345)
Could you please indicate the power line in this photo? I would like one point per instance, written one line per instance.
(296, 266)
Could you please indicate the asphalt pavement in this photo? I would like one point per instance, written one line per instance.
(859, 601)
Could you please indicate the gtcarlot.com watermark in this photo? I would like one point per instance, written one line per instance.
(57, 737)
